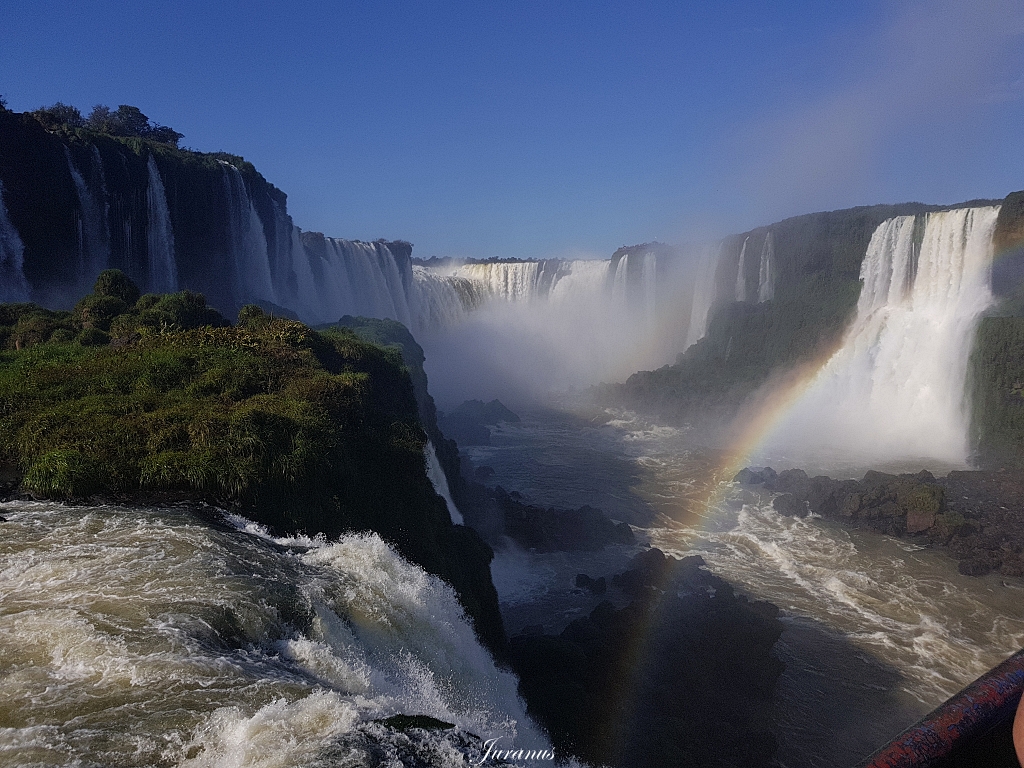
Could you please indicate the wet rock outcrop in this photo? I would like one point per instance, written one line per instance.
(977, 516)
(683, 675)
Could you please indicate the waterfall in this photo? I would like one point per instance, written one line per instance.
(93, 237)
(13, 285)
(247, 242)
(620, 282)
(163, 273)
(650, 289)
(703, 294)
(895, 390)
(199, 645)
(766, 274)
(511, 281)
(741, 273)
(440, 482)
(368, 279)
(441, 301)
(580, 280)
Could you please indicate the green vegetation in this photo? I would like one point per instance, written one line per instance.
(161, 399)
(125, 121)
(997, 384)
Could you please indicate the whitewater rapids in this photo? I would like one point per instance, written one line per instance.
(165, 637)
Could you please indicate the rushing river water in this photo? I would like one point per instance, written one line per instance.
(133, 637)
(878, 630)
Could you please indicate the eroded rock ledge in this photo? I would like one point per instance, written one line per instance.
(978, 517)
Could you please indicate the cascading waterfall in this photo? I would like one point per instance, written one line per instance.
(766, 274)
(703, 293)
(741, 273)
(139, 637)
(442, 301)
(163, 272)
(13, 285)
(247, 241)
(511, 281)
(437, 478)
(93, 238)
(366, 277)
(895, 391)
(620, 282)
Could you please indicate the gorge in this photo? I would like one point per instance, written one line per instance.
(843, 338)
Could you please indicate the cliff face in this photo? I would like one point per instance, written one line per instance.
(80, 202)
(781, 296)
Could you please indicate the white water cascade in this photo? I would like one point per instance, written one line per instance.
(163, 272)
(703, 293)
(766, 274)
(741, 272)
(13, 285)
(895, 390)
(440, 482)
(248, 243)
(93, 238)
(135, 637)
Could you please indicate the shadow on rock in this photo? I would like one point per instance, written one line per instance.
(682, 676)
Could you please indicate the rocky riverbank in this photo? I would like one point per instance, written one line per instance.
(975, 516)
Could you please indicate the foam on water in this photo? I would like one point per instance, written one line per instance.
(142, 637)
(879, 630)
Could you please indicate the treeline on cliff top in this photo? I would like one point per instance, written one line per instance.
(125, 121)
(158, 397)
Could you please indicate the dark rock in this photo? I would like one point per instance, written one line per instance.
(790, 480)
(1012, 566)
(483, 473)
(919, 521)
(975, 566)
(596, 586)
(698, 696)
(553, 529)
(978, 516)
(405, 722)
(468, 424)
(788, 504)
(755, 476)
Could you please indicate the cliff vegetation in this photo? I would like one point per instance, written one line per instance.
(157, 398)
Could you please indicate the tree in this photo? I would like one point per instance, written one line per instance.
(114, 282)
(164, 134)
(130, 121)
(59, 114)
(99, 119)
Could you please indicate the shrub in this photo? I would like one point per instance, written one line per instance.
(114, 282)
(63, 474)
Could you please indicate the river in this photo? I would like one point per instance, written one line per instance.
(878, 630)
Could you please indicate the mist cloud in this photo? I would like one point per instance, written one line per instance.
(932, 63)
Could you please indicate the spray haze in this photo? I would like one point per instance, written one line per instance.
(915, 89)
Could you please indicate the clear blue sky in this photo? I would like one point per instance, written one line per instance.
(536, 129)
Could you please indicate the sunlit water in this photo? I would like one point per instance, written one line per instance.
(878, 630)
(136, 637)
